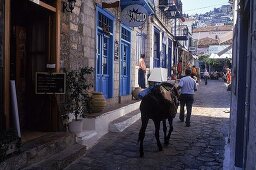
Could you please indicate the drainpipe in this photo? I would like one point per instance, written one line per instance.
(119, 58)
(175, 48)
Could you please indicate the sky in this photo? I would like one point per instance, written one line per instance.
(201, 6)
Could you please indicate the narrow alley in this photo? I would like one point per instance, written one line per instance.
(200, 146)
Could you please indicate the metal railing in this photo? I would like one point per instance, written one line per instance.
(168, 23)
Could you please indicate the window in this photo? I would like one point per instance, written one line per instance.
(105, 23)
(126, 35)
(156, 49)
(163, 57)
(105, 55)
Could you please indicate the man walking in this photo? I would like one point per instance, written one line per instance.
(206, 76)
(188, 88)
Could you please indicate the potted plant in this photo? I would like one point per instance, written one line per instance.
(78, 84)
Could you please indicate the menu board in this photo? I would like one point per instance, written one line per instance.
(50, 83)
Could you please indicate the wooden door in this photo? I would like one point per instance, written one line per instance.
(33, 39)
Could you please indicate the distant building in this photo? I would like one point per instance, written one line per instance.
(226, 8)
(213, 32)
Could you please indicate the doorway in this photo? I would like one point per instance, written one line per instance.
(125, 58)
(104, 56)
(32, 46)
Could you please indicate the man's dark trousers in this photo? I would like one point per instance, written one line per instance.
(186, 99)
(205, 80)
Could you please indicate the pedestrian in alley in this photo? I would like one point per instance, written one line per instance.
(228, 76)
(142, 71)
(206, 76)
(194, 73)
(179, 69)
(187, 87)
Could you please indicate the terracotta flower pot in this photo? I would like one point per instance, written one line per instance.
(98, 102)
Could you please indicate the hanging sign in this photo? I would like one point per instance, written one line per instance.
(134, 15)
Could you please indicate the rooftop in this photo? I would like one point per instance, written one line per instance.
(205, 42)
(213, 28)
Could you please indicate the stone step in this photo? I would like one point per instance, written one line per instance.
(125, 121)
(61, 159)
(87, 138)
(101, 122)
(39, 149)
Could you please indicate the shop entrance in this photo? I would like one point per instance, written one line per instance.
(32, 46)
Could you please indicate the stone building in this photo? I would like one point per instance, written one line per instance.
(214, 32)
(40, 35)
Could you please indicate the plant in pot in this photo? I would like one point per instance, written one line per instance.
(78, 84)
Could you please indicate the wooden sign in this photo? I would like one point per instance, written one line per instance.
(50, 83)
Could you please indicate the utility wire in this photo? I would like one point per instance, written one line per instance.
(204, 7)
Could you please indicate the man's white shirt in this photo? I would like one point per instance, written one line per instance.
(188, 85)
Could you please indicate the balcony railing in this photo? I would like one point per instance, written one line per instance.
(182, 33)
(164, 20)
(171, 8)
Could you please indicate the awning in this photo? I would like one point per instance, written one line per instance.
(181, 38)
(158, 75)
(223, 56)
(195, 57)
(214, 56)
(226, 37)
(147, 4)
(226, 50)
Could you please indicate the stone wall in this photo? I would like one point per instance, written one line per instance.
(233, 110)
(249, 128)
(78, 36)
(78, 42)
(251, 146)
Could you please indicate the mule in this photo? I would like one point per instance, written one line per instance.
(160, 104)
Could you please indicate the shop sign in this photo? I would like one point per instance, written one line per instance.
(50, 83)
(134, 15)
(116, 50)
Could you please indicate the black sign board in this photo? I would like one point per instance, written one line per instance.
(50, 83)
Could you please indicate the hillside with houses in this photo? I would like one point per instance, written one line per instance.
(212, 34)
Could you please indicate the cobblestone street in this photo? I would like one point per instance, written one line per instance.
(200, 146)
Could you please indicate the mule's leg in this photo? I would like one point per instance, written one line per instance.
(144, 121)
(170, 120)
(164, 129)
(157, 128)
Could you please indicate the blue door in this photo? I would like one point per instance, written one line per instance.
(104, 56)
(125, 62)
(125, 67)
(103, 71)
